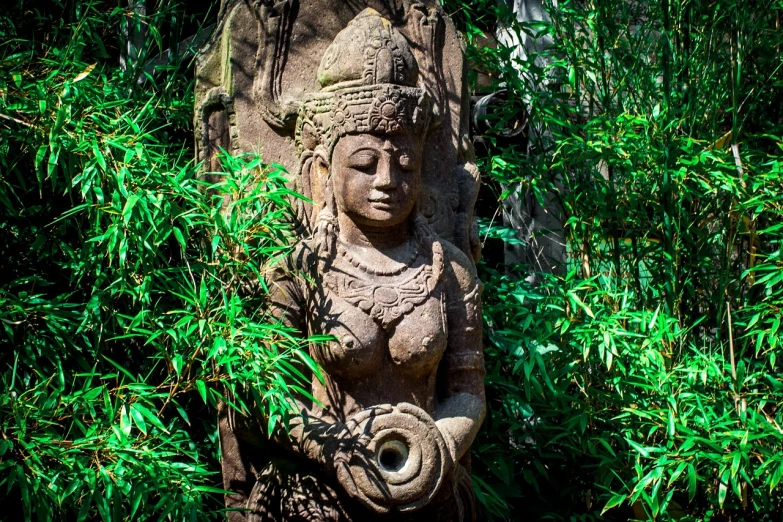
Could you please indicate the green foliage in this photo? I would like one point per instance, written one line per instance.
(125, 302)
(643, 382)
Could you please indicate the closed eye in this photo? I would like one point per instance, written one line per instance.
(363, 160)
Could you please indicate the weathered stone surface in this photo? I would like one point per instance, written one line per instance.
(539, 227)
(363, 102)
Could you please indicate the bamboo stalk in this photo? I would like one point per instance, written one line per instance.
(731, 356)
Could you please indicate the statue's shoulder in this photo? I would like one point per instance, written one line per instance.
(303, 256)
(300, 259)
(458, 266)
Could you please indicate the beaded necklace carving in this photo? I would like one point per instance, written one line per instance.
(356, 262)
(402, 289)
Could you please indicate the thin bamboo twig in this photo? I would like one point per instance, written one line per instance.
(20, 122)
(731, 355)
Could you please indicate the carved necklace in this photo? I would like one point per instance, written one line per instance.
(387, 296)
(403, 266)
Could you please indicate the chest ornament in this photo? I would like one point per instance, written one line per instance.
(386, 298)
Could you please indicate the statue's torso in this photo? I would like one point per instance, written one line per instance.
(390, 334)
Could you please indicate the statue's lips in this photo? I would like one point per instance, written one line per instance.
(382, 203)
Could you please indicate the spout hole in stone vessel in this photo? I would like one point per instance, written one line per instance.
(392, 456)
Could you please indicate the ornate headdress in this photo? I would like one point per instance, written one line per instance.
(368, 81)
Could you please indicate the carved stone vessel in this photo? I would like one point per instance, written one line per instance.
(385, 267)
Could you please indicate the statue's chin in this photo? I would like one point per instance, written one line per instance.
(381, 215)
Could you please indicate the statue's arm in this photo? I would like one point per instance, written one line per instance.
(242, 435)
(315, 434)
(462, 403)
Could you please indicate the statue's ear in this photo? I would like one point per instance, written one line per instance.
(319, 172)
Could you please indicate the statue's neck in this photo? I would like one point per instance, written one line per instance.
(379, 238)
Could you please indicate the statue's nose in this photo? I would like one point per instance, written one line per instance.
(385, 178)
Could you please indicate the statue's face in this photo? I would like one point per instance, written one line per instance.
(377, 178)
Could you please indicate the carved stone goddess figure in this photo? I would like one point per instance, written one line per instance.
(402, 395)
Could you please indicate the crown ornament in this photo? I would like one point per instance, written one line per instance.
(368, 79)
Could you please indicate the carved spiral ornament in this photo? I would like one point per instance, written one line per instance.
(404, 463)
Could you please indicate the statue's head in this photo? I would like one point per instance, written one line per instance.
(361, 138)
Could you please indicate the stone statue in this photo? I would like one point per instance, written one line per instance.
(402, 396)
